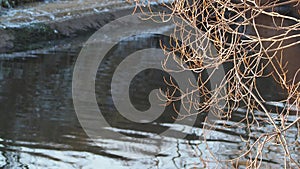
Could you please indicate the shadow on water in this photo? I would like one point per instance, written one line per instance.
(39, 127)
(37, 114)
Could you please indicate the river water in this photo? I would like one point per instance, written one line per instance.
(39, 127)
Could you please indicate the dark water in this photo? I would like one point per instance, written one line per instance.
(39, 127)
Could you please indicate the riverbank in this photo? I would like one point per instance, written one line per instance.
(32, 27)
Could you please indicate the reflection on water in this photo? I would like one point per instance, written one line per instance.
(39, 127)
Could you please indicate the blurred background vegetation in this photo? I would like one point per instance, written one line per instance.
(14, 3)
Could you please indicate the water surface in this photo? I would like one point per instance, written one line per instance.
(39, 127)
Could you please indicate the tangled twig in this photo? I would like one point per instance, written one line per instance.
(256, 38)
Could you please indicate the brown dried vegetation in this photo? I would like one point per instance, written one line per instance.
(260, 39)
